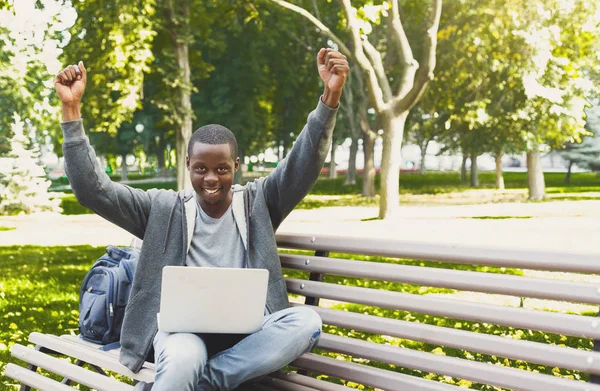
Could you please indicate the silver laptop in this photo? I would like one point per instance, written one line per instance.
(212, 300)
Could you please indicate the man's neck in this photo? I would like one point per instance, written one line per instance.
(216, 211)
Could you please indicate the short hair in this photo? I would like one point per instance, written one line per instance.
(214, 135)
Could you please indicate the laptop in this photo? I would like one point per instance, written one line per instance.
(212, 300)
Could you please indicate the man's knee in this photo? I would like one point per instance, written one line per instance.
(183, 351)
(310, 324)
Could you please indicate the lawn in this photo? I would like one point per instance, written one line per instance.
(39, 288)
(434, 187)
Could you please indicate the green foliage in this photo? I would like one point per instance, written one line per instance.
(114, 41)
(6, 228)
(71, 206)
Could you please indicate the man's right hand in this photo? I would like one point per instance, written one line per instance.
(70, 84)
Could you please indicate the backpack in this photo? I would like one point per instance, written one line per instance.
(104, 294)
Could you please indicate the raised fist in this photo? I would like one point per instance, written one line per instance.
(70, 83)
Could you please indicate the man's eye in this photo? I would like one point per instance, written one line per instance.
(200, 169)
(222, 170)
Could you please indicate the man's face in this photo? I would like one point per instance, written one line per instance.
(211, 170)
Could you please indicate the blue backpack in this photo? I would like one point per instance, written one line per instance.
(104, 294)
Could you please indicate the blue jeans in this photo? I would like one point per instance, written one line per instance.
(186, 361)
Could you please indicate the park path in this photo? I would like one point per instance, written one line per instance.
(572, 226)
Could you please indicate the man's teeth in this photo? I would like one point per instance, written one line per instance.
(213, 191)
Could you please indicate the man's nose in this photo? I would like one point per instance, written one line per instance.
(211, 176)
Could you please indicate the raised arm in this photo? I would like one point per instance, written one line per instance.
(126, 207)
(295, 175)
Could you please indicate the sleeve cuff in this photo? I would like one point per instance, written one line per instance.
(325, 114)
(73, 130)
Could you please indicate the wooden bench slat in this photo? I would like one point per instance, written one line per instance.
(309, 381)
(375, 377)
(514, 379)
(92, 355)
(32, 379)
(68, 370)
(282, 385)
(580, 326)
(535, 352)
(577, 292)
(501, 257)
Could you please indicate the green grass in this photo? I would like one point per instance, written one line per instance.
(39, 290)
(444, 182)
(432, 183)
(6, 228)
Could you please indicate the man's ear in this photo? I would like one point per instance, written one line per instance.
(237, 163)
(187, 162)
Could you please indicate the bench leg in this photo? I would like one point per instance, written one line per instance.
(81, 363)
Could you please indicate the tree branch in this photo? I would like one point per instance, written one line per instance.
(324, 29)
(425, 72)
(408, 63)
(361, 59)
(363, 104)
(375, 58)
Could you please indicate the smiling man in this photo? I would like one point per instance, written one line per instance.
(218, 224)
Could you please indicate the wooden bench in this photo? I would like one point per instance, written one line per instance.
(352, 359)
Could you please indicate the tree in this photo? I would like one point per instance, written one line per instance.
(392, 100)
(24, 187)
(587, 153)
(517, 76)
(25, 72)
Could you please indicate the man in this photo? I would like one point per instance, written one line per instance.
(218, 224)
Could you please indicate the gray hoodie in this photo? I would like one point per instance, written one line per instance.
(164, 220)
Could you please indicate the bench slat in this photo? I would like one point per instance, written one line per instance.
(581, 326)
(282, 385)
(309, 381)
(66, 369)
(535, 352)
(32, 379)
(512, 378)
(91, 355)
(375, 377)
(519, 286)
(502, 257)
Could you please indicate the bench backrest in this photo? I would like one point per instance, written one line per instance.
(410, 341)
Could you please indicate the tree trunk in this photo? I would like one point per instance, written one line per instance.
(463, 168)
(160, 158)
(423, 146)
(474, 171)
(351, 174)
(568, 177)
(535, 175)
(368, 189)
(499, 176)
(179, 16)
(393, 129)
(123, 167)
(332, 165)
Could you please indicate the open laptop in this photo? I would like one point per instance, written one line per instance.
(212, 300)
